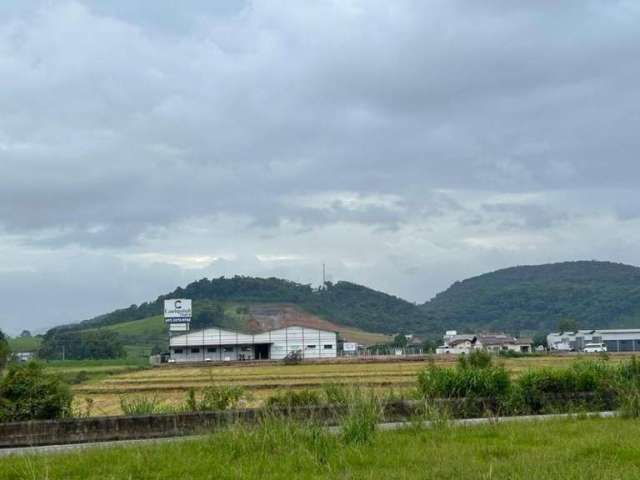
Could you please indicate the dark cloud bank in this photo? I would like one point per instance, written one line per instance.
(407, 144)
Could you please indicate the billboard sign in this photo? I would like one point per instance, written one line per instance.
(350, 347)
(178, 327)
(177, 310)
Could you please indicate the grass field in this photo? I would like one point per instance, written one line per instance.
(558, 449)
(89, 371)
(170, 384)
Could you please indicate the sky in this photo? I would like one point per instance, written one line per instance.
(405, 144)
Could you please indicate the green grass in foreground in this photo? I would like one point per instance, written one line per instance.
(567, 449)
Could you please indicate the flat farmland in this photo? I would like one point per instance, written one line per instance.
(169, 384)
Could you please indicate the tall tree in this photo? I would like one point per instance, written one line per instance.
(4, 351)
(567, 325)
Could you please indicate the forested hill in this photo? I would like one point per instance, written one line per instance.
(525, 298)
(343, 303)
(595, 294)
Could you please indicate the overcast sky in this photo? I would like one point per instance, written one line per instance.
(407, 144)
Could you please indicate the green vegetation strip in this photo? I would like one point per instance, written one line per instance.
(567, 449)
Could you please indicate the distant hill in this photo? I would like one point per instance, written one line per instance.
(343, 303)
(513, 300)
(535, 298)
(254, 304)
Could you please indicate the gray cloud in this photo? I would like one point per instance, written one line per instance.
(446, 137)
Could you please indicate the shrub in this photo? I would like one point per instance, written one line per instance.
(80, 377)
(141, 405)
(513, 354)
(628, 386)
(464, 382)
(475, 359)
(216, 397)
(629, 372)
(294, 398)
(27, 392)
(547, 390)
(336, 394)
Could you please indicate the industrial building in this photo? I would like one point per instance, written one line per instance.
(614, 340)
(215, 344)
(457, 344)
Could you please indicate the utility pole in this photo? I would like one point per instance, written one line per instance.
(63, 353)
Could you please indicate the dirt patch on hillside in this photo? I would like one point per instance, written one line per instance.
(269, 317)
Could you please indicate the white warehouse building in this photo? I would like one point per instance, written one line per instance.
(215, 344)
(615, 340)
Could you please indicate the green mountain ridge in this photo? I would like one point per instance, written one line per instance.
(535, 298)
(513, 300)
(343, 303)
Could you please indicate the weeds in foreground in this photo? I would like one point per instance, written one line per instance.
(630, 403)
(141, 405)
(430, 414)
(280, 449)
(365, 411)
(214, 397)
(294, 398)
(275, 435)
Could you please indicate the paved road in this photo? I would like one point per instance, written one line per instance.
(49, 449)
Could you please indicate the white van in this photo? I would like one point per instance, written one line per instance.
(594, 348)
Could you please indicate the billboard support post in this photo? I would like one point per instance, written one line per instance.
(177, 315)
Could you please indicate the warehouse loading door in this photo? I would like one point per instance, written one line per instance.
(261, 351)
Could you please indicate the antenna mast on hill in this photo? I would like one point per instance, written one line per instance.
(324, 280)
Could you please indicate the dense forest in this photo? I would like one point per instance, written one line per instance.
(537, 298)
(514, 300)
(58, 344)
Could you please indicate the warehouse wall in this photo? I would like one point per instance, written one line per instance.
(214, 344)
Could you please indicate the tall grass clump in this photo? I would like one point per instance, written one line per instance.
(628, 380)
(335, 394)
(476, 384)
(275, 436)
(583, 385)
(475, 359)
(364, 412)
(141, 405)
(629, 402)
(294, 398)
(215, 397)
(629, 372)
(464, 382)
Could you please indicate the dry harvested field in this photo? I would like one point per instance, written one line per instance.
(170, 383)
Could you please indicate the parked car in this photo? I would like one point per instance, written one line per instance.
(594, 348)
(562, 347)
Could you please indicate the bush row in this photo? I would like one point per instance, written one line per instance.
(477, 383)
